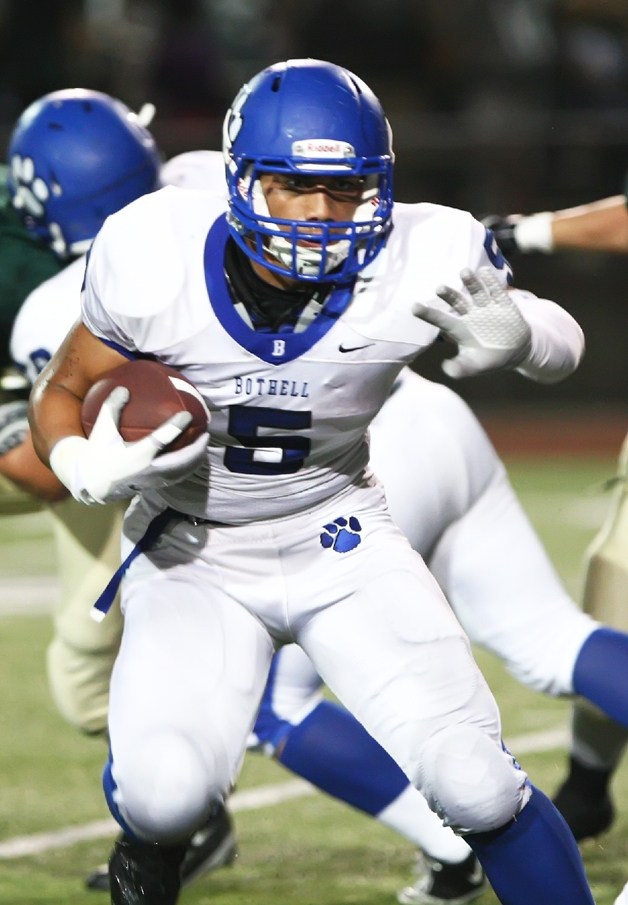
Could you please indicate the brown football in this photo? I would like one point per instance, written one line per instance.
(157, 391)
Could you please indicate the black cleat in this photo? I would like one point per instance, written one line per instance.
(211, 847)
(144, 873)
(445, 884)
(584, 800)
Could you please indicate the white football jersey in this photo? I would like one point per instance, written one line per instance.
(45, 317)
(195, 170)
(287, 404)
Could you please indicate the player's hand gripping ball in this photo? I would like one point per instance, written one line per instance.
(156, 392)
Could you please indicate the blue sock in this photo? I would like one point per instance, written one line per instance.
(534, 858)
(600, 672)
(326, 749)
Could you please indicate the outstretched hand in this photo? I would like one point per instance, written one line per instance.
(485, 323)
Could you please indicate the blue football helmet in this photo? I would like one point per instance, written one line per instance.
(75, 156)
(308, 117)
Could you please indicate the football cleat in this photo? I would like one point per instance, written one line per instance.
(144, 873)
(440, 883)
(213, 846)
(584, 801)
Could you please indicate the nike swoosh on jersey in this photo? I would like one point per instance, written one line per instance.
(342, 348)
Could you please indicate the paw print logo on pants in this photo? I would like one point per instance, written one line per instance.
(342, 535)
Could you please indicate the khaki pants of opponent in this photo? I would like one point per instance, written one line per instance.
(81, 654)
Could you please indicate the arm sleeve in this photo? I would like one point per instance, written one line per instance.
(557, 339)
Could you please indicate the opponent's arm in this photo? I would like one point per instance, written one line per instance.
(18, 459)
(599, 226)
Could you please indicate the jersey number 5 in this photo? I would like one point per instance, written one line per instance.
(269, 455)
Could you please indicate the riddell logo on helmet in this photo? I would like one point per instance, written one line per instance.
(322, 147)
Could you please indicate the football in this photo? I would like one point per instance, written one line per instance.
(157, 391)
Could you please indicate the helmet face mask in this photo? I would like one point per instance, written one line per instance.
(75, 156)
(307, 118)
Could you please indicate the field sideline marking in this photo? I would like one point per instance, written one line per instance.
(246, 800)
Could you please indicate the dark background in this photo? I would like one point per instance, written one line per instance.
(497, 106)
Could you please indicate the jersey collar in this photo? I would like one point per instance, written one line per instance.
(273, 348)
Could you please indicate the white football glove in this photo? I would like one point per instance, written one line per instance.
(490, 331)
(104, 467)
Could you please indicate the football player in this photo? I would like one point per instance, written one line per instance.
(598, 742)
(464, 500)
(295, 314)
(81, 653)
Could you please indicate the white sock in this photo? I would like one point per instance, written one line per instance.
(410, 816)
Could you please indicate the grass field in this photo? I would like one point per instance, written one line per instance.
(308, 850)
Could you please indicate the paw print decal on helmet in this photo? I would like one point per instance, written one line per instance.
(31, 191)
(31, 194)
(342, 535)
